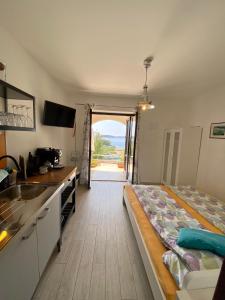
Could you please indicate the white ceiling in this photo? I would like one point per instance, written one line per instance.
(99, 45)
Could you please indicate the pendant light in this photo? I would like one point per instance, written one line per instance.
(146, 104)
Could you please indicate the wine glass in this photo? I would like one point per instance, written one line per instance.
(28, 118)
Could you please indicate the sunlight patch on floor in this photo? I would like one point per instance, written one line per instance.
(108, 172)
(107, 167)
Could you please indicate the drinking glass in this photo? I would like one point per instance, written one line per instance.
(28, 118)
(2, 118)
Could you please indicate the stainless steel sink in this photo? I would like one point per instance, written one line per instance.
(22, 192)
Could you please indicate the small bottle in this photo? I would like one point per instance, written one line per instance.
(22, 164)
(30, 164)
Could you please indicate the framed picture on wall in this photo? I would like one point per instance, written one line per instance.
(217, 130)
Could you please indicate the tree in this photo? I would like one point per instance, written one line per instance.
(102, 146)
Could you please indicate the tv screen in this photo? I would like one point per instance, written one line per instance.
(58, 115)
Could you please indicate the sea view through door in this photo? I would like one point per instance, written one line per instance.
(109, 147)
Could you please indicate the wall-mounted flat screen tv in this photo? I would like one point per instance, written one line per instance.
(58, 115)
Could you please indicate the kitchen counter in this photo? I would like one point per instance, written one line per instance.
(14, 213)
(55, 176)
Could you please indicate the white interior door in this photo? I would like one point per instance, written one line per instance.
(172, 142)
(166, 157)
(175, 157)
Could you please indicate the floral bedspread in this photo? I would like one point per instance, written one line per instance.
(167, 218)
(176, 267)
(209, 207)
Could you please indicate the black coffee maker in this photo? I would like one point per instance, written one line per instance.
(49, 155)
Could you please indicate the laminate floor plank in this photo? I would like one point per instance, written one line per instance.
(66, 288)
(127, 283)
(101, 232)
(83, 282)
(79, 230)
(113, 290)
(100, 252)
(97, 289)
(63, 255)
(143, 289)
(49, 286)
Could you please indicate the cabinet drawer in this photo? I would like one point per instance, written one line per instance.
(48, 231)
(19, 266)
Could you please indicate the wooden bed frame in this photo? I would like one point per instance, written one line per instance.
(193, 281)
(149, 267)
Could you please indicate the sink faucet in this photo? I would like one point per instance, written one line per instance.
(5, 185)
(13, 159)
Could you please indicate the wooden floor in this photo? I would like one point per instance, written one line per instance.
(99, 257)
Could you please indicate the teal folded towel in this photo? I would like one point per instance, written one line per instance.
(202, 240)
(3, 174)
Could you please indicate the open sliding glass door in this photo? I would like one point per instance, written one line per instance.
(90, 151)
(130, 148)
(126, 152)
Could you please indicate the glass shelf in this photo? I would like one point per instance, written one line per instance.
(17, 108)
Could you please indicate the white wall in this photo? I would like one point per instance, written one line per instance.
(173, 113)
(25, 73)
(181, 112)
(206, 109)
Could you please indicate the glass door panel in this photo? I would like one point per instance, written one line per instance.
(166, 157)
(176, 144)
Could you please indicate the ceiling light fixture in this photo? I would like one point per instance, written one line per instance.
(3, 70)
(146, 104)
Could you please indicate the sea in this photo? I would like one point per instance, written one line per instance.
(116, 141)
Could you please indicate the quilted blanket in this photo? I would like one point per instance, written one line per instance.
(167, 217)
(208, 206)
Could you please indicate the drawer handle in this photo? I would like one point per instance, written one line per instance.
(26, 237)
(46, 210)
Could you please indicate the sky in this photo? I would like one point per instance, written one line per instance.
(110, 128)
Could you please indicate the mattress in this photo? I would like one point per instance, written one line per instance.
(153, 242)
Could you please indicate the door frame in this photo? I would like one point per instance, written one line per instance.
(135, 144)
(129, 131)
(89, 155)
(90, 137)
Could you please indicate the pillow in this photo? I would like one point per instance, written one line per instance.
(201, 240)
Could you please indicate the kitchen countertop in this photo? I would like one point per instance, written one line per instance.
(15, 213)
(54, 176)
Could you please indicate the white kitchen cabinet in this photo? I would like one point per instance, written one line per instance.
(48, 231)
(19, 266)
(23, 260)
(181, 156)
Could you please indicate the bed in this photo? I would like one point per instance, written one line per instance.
(153, 248)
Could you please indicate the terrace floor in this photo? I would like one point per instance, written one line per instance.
(107, 171)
